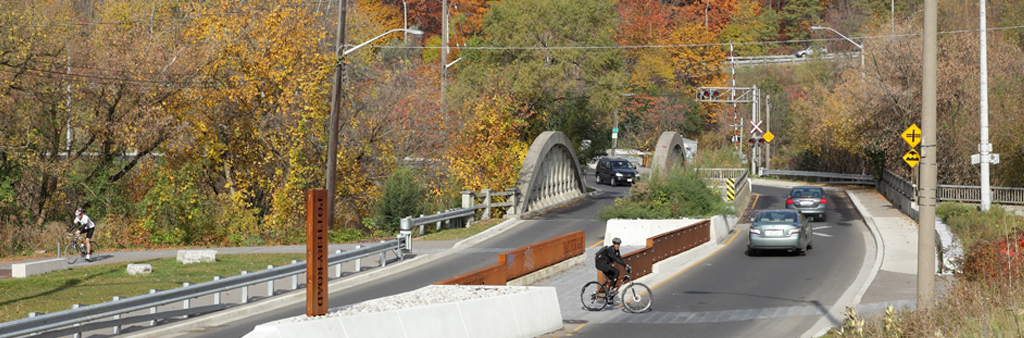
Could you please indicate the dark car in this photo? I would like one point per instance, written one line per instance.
(779, 230)
(809, 200)
(615, 171)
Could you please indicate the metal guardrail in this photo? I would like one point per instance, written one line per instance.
(832, 177)
(42, 323)
(463, 217)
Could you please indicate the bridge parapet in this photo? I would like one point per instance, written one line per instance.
(551, 173)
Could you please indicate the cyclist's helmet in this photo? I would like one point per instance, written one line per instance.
(616, 240)
(79, 212)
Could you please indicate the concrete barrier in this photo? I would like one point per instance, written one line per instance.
(22, 270)
(634, 232)
(134, 269)
(197, 256)
(526, 314)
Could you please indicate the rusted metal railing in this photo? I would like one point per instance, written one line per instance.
(519, 262)
(662, 247)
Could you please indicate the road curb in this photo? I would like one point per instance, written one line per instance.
(861, 284)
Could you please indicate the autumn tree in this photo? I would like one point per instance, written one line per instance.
(542, 53)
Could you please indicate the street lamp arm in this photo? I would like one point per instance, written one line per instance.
(818, 28)
(414, 32)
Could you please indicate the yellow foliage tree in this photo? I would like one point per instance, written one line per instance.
(490, 151)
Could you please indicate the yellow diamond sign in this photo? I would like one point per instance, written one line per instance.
(768, 136)
(912, 157)
(912, 135)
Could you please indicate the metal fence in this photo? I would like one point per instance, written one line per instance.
(89, 317)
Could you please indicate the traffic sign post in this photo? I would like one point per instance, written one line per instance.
(912, 158)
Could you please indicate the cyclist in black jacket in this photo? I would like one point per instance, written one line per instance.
(603, 260)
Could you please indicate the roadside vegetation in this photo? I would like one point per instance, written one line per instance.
(56, 291)
(984, 299)
(677, 192)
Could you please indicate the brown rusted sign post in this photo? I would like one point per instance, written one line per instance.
(316, 252)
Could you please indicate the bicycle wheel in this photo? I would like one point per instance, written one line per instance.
(637, 298)
(589, 297)
(71, 253)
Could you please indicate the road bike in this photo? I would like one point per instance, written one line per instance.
(635, 297)
(76, 249)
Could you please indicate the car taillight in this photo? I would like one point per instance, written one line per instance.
(794, 231)
(789, 201)
(755, 231)
(823, 201)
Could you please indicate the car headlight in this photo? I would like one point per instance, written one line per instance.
(618, 174)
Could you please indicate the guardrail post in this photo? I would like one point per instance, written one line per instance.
(405, 230)
(78, 334)
(383, 257)
(245, 290)
(152, 310)
(337, 268)
(270, 283)
(216, 296)
(295, 277)
(359, 261)
(487, 203)
(186, 302)
(437, 226)
(117, 328)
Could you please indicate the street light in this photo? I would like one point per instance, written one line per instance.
(332, 146)
(818, 28)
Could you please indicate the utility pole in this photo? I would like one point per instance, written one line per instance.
(926, 194)
(984, 147)
(336, 96)
(444, 51)
(767, 128)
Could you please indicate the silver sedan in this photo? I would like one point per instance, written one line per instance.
(779, 230)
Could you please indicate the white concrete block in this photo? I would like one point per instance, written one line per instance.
(197, 256)
(520, 315)
(434, 321)
(379, 324)
(537, 311)
(25, 269)
(135, 269)
(634, 232)
(321, 327)
(490, 317)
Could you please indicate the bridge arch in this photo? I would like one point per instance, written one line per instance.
(670, 151)
(551, 173)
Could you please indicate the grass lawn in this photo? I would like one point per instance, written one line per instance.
(461, 233)
(56, 291)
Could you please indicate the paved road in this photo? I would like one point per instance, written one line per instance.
(579, 216)
(731, 294)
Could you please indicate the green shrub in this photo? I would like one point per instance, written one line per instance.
(403, 196)
(675, 193)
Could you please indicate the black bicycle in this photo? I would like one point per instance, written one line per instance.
(76, 249)
(635, 297)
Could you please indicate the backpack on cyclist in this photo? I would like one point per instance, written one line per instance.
(600, 256)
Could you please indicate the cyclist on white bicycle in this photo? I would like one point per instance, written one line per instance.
(603, 260)
(84, 224)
